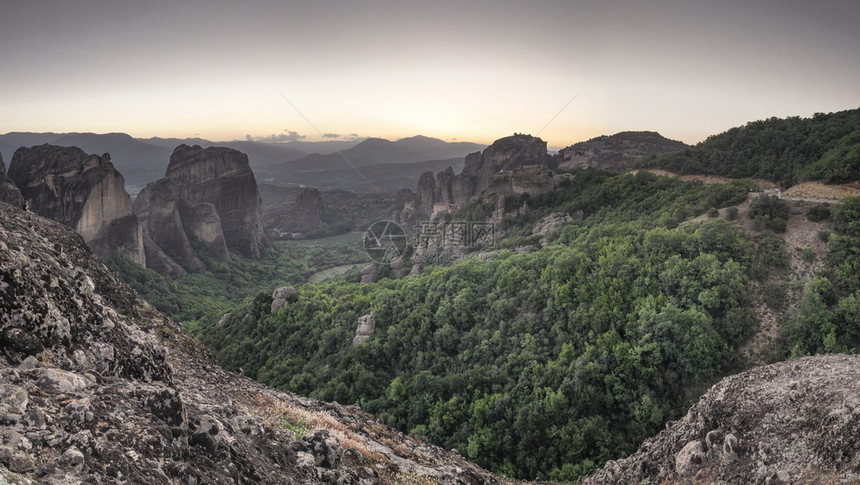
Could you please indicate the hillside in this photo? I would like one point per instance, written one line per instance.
(389, 177)
(825, 148)
(648, 294)
(616, 152)
(489, 365)
(374, 165)
(97, 387)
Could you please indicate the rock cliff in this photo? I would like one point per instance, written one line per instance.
(445, 191)
(82, 191)
(791, 422)
(158, 206)
(222, 177)
(209, 198)
(531, 179)
(426, 196)
(305, 215)
(507, 153)
(96, 387)
(616, 152)
(8, 192)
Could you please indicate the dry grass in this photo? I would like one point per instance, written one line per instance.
(276, 412)
(817, 190)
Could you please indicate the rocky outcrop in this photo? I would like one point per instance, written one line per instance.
(507, 153)
(531, 180)
(426, 196)
(82, 191)
(97, 387)
(304, 216)
(368, 274)
(207, 199)
(222, 177)
(310, 210)
(789, 422)
(281, 297)
(617, 152)
(8, 192)
(366, 326)
(550, 226)
(157, 205)
(446, 192)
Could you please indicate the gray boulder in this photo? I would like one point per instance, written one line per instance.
(281, 297)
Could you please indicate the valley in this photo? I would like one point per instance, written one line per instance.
(613, 284)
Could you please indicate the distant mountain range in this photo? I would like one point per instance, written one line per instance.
(374, 164)
(144, 160)
(384, 177)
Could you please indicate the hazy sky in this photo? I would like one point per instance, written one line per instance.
(473, 71)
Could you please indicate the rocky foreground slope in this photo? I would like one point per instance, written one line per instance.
(96, 387)
(791, 422)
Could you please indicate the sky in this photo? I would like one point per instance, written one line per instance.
(463, 70)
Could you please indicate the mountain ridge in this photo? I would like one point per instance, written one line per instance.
(143, 160)
(823, 147)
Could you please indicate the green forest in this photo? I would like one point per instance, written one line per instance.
(825, 147)
(227, 284)
(548, 363)
(545, 362)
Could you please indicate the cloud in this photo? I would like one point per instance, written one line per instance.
(351, 137)
(331, 135)
(284, 137)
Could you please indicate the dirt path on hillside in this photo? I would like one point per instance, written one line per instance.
(807, 256)
(806, 191)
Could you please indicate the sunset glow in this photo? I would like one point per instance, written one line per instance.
(475, 71)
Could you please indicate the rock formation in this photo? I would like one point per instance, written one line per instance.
(281, 297)
(8, 192)
(551, 225)
(368, 274)
(97, 387)
(310, 210)
(158, 206)
(616, 152)
(790, 422)
(506, 153)
(82, 191)
(447, 191)
(426, 196)
(530, 179)
(305, 215)
(366, 326)
(222, 177)
(208, 197)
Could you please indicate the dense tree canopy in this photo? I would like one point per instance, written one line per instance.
(825, 147)
(537, 364)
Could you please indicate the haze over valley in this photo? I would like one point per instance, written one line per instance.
(441, 243)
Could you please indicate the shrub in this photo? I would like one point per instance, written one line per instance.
(768, 207)
(818, 213)
(778, 225)
(774, 294)
(732, 213)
